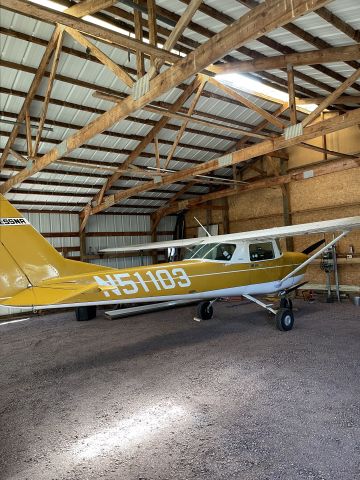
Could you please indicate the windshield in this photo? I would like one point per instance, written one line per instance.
(211, 251)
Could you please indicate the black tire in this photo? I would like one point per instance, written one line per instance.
(286, 303)
(205, 311)
(284, 319)
(84, 314)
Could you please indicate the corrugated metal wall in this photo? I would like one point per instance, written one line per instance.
(69, 243)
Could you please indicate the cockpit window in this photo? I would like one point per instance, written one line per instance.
(211, 251)
(261, 251)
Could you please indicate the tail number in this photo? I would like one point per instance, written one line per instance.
(121, 283)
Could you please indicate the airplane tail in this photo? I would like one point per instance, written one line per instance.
(26, 258)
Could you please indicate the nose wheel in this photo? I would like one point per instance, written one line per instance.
(204, 311)
(284, 319)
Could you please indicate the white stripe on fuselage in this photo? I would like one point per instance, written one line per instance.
(255, 289)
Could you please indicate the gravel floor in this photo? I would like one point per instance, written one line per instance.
(160, 396)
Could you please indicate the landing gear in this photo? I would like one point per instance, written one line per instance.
(284, 319)
(286, 303)
(284, 316)
(204, 311)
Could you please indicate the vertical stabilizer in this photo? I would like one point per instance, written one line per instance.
(26, 258)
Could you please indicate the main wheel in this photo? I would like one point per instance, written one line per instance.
(205, 311)
(284, 319)
(286, 303)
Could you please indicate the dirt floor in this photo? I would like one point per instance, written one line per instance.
(160, 396)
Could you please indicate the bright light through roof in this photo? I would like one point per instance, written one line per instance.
(50, 4)
(241, 82)
(99, 22)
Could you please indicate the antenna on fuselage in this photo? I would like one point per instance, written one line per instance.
(202, 226)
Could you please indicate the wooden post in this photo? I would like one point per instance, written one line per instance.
(226, 220)
(82, 236)
(292, 98)
(285, 190)
(155, 220)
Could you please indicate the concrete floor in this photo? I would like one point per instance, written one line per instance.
(163, 397)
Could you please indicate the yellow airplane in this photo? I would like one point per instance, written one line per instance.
(34, 276)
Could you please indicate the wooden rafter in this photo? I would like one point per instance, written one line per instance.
(104, 59)
(258, 128)
(140, 65)
(333, 96)
(87, 7)
(145, 141)
(151, 8)
(28, 134)
(175, 33)
(326, 151)
(277, 143)
(31, 93)
(263, 18)
(157, 153)
(248, 103)
(186, 117)
(49, 87)
(67, 19)
(185, 122)
(325, 55)
(342, 100)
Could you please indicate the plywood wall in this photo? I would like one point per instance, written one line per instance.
(322, 198)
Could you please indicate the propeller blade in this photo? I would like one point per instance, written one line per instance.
(313, 247)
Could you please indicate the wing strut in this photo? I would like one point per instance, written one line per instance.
(317, 254)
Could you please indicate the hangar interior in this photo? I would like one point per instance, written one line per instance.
(121, 120)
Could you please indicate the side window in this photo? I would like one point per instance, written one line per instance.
(225, 251)
(261, 251)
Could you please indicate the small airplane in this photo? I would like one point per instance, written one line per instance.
(34, 276)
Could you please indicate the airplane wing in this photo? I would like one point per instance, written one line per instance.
(337, 225)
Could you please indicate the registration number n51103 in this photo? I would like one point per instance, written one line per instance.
(130, 284)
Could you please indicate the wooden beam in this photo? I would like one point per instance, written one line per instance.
(185, 117)
(31, 93)
(300, 175)
(104, 59)
(257, 129)
(292, 98)
(326, 150)
(184, 124)
(146, 141)
(342, 100)
(152, 27)
(336, 93)
(67, 19)
(277, 143)
(49, 87)
(28, 134)
(140, 65)
(18, 156)
(87, 7)
(248, 103)
(157, 153)
(266, 17)
(326, 55)
(175, 33)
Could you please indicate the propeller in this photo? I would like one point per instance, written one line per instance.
(313, 247)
